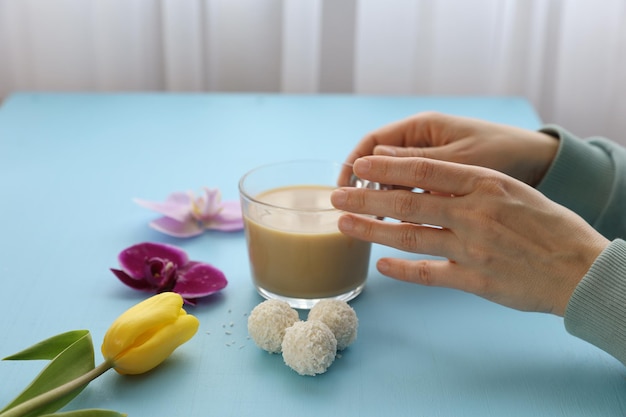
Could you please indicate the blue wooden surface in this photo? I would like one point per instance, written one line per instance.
(70, 165)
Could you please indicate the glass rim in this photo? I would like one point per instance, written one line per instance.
(329, 162)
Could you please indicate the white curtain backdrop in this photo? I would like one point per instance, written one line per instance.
(568, 57)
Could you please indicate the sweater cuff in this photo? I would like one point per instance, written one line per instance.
(578, 166)
(596, 312)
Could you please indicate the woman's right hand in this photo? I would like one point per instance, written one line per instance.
(520, 153)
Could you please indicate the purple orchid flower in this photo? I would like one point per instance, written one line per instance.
(186, 215)
(157, 267)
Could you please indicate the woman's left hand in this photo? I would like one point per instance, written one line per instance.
(503, 240)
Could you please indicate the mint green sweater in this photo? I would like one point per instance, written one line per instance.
(589, 177)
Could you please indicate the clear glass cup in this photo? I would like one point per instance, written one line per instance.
(297, 254)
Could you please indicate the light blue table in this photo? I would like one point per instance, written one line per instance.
(70, 165)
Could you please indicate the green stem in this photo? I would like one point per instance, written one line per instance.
(49, 396)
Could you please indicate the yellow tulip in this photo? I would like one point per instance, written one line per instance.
(146, 334)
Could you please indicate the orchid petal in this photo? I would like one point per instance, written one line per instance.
(175, 228)
(133, 259)
(199, 280)
(160, 273)
(188, 216)
(231, 209)
(137, 284)
(225, 224)
(211, 206)
(177, 206)
(229, 219)
(160, 267)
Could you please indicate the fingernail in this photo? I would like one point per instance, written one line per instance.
(383, 266)
(338, 197)
(345, 223)
(362, 166)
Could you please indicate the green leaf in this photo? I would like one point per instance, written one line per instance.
(94, 412)
(49, 348)
(71, 356)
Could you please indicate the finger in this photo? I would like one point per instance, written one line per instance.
(429, 272)
(388, 150)
(404, 236)
(443, 153)
(420, 130)
(404, 205)
(345, 175)
(412, 131)
(427, 174)
(394, 134)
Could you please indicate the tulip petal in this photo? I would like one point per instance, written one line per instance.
(139, 323)
(145, 356)
(175, 228)
(198, 279)
(176, 205)
(133, 259)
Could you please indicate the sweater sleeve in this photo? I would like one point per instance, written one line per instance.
(589, 177)
(596, 312)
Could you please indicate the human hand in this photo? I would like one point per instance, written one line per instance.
(503, 240)
(520, 153)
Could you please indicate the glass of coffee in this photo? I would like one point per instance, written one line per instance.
(297, 254)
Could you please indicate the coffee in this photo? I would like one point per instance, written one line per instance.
(295, 247)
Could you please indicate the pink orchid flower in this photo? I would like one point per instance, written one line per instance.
(157, 267)
(186, 215)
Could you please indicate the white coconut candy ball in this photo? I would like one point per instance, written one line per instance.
(267, 323)
(309, 347)
(339, 317)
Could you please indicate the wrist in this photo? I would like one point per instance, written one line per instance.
(544, 150)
